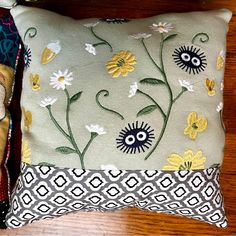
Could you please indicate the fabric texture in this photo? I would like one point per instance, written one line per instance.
(9, 53)
(8, 3)
(121, 94)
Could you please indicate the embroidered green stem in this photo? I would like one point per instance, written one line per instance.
(203, 38)
(179, 95)
(163, 73)
(97, 44)
(73, 142)
(106, 94)
(150, 98)
(93, 136)
(56, 123)
(31, 32)
(99, 38)
(149, 55)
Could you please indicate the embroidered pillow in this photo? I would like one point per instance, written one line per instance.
(9, 52)
(120, 113)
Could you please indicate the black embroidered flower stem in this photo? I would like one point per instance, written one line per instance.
(158, 106)
(99, 38)
(106, 94)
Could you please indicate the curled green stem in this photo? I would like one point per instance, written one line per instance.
(106, 94)
(150, 98)
(99, 38)
(203, 38)
(31, 32)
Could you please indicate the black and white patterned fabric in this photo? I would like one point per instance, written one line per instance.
(44, 192)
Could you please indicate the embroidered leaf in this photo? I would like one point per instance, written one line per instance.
(65, 150)
(46, 164)
(152, 81)
(217, 165)
(75, 97)
(170, 37)
(147, 110)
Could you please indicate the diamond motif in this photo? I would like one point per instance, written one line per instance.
(147, 189)
(131, 182)
(113, 191)
(95, 182)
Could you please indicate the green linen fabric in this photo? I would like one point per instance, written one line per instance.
(143, 94)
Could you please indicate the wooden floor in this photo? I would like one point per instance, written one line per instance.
(133, 221)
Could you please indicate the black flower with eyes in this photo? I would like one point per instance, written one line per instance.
(135, 138)
(190, 59)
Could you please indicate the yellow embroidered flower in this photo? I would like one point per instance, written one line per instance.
(35, 82)
(210, 84)
(121, 64)
(189, 161)
(25, 152)
(220, 60)
(27, 119)
(195, 125)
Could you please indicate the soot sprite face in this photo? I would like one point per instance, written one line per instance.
(190, 59)
(135, 138)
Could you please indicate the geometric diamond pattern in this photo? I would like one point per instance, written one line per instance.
(48, 192)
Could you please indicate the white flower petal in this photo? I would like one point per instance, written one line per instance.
(141, 36)
(219, 107)
(162, 27)
(61, 79)
(108, 167)
(133, 89)
(95, 129)
(47, 101)
(186, 84)
(91, 24)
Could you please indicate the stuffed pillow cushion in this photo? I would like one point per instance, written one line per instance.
(9, 53)
(121, 113)
(7, 3)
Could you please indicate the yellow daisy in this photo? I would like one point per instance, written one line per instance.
(189, 161)
(121, 64)
(195, 125)
(25, 152)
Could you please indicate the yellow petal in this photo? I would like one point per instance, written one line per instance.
(192, 117)
(187, 130)
(116, 73)
(220, 62)
(193, 134)
(175, 159)
(170, 168)
(201, 124)
(211, 93)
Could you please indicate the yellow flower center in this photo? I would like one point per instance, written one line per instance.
(186, 165)
(194, 126)
(61, 78)
(120, 62)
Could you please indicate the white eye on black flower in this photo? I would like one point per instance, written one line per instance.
(190, 59)
(135, 138)
(27, 57)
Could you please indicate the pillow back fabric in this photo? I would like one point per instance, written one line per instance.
(122, 106)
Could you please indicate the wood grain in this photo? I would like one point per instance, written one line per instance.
(134, 221)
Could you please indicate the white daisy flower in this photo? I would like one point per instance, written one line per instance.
(90, 48)
(140, 36)
(108, 167)
(48, 101)
(162, 27)
(91, 24)
(60, 79)
(219, 107)
(133, 89)
(186, 84)
(222, 85)
(95, 129)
